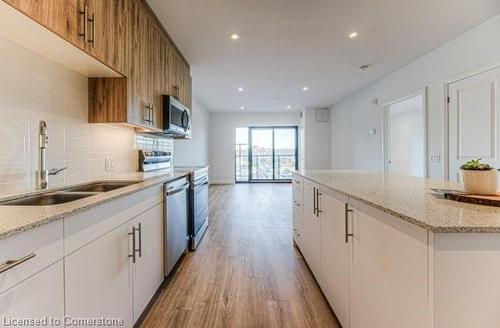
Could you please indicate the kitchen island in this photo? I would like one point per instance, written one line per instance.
(387, 252)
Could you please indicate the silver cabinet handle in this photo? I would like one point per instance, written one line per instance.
(85, 14)
(12, 263)
(92, 21)
(152, 115)
(347, 234)
(140, 239)
(146, 115)
(314, 199)
(133, 244)
(318, 210)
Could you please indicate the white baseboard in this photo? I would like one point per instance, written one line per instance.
(221, 181)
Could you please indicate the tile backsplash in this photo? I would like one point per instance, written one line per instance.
(33, 88)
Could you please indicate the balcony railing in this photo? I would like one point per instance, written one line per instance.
(262, 167)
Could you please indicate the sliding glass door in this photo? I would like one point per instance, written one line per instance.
(266, 154)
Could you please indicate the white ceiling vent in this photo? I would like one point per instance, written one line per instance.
(322, 115)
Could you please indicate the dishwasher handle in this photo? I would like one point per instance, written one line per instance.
(175, 191)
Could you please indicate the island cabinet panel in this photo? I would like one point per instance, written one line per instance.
(312, 230)
(388, 271)
(466, 280)
(334, 279)
(41, 295)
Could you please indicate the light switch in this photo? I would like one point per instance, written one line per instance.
(109, 164)
(436, 158)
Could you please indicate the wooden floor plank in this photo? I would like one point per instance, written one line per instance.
(246, 272)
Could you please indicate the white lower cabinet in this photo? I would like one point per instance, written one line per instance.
(148, 269)
(117, 274)
(38, 297)
(388, 272)
(334, 279)
(311, 240)
(378, 276)
(99, 280)
(298, 210)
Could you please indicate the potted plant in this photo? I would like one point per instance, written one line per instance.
(478, 178)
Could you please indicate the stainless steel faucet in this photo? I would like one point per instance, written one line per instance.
(42, 175)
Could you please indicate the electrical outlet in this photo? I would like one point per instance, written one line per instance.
(372, 132)
(109, 164)
(436, 158)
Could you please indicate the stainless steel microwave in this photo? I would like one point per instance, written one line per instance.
(176, 118)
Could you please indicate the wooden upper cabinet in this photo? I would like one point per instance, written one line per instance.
(63, 17)
(98, 27)
(107, 30)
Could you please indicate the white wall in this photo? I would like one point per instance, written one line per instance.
(222, 139)
(317, 140)
(33, 88)
(194, 152)
(352, 145)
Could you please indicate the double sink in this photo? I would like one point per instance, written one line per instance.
(69, 194)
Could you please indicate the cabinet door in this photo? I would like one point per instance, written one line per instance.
(312, 230)
(63, 17)
(139, 74)
(99, 280)
(41, 295)
(335, 257)
(388, 272)
(108, 32)
(148, 269)
(159, 81)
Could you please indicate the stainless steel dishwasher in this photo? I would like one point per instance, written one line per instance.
(176, 222)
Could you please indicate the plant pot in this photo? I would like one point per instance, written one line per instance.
(478, 182)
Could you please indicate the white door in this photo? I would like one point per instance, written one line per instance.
(405, 149)
(473, 121)
(98, 278)
(312, 229)
(335, 258)
(148, 269)
(388, 276)
(41, 295)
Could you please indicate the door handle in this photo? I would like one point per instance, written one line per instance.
(13, 263)
(92, 21)
(318, 210)
(85, 14)
(140, 239)
(347, 234)
(314, 200)
(133, 245)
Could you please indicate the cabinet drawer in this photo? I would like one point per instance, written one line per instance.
(40, 247)
(81, 229)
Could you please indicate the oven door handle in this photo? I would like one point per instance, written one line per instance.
(175, 191)
(201, 182)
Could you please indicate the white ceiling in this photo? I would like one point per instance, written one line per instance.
(286, 44)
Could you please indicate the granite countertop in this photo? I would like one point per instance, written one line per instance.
(410, 199)
(17, 219)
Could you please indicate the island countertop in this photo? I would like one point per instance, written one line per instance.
(411, 199)
(17, 219)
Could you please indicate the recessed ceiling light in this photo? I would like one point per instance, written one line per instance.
(305, 88)
(234, 36)
(353, 35)
(240, 89)
(242, 107)
(288, 107)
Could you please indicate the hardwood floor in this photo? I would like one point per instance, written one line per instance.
(245, 272)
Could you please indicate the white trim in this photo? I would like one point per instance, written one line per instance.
(385, 129)
(221, 181)
(446, 112)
